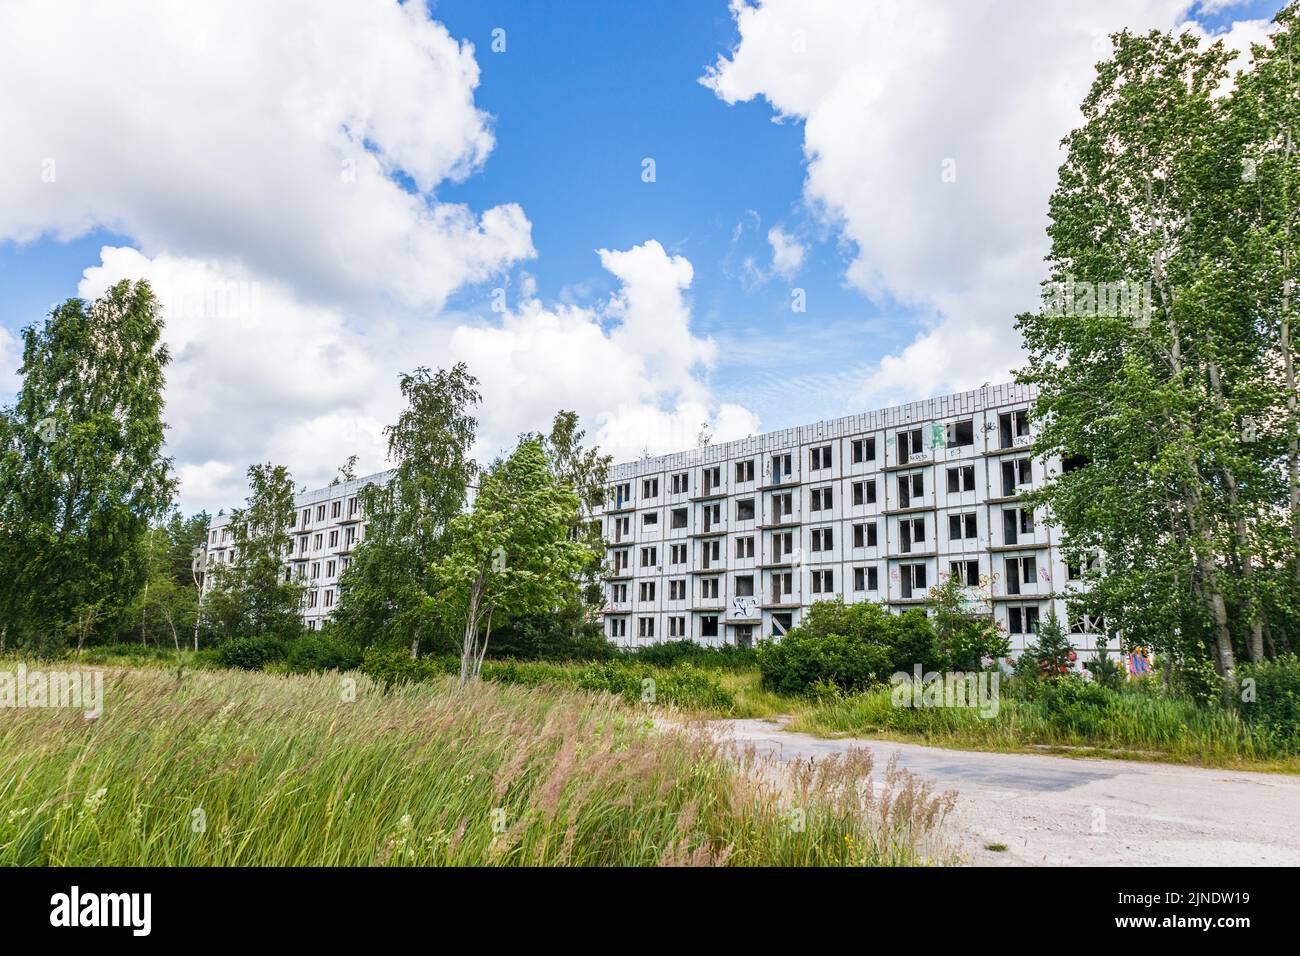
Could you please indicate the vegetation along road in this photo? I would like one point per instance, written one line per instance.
(1041, 809)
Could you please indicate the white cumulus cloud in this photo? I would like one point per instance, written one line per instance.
(303, 140)
(931, 136)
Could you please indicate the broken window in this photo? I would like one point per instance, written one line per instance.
(745, 547)
(864, 449)
(744, 471)
(782, 506)
(681, 483)
(745, 509)
(650, 488)
(1022, 620)
(708, 625)
(820, 499)
(680, 517)
(960, 433)
(962, 526)
(781, 468)
(961, 479)
(1016, 472)
(823, 581)
(782, 544)
(911, 490)
(966, 572)
(913, 580)
(1013, 428)
(744, 585)
(864, 492)
(910, 532)
(821, 457)
(909, 444)
(712, 479)
(823, 539)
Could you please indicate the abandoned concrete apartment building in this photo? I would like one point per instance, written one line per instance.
(733, 542)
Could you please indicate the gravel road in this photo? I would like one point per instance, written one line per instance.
(1060, 811)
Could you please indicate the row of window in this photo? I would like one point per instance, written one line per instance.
(962, 526)
(335, 511)
(1013, 429)
(1021, 619)
(1016, 474)
(1019, 572)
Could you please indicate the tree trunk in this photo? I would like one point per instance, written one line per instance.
(471, 629)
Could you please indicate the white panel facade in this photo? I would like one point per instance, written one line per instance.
(328, 525)
(734, 542)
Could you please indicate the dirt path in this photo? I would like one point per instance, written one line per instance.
(1049, 810)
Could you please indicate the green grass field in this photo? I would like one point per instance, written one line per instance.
(219, 767)
(1133, 725)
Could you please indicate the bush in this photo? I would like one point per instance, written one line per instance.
(1106, 672)
(852, 647)
(1275, 710)
(317, 652)
(669, 653)
(251, 653)
(395, 666)
(1077, 707)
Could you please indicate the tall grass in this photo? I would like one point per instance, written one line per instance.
(238, 768)
(1152, 725)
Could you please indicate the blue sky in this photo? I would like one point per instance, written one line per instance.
(910, 285)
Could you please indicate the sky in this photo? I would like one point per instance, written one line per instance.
(665, 216)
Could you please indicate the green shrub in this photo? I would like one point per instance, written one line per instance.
(313, 653)
(251, 653)
(669, 653)
(1198, 680)
(1275, 710)
(852, 647)
(392, 666)
(1077, 707)
(1106, 672)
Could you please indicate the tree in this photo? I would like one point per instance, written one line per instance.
(513, 554)
(968, 635)
(1259, 213)
(82, 471)
(385, 596)
(1052, 652)
(1158, 410)
(253, 594)
(586, 472)
(169, 600)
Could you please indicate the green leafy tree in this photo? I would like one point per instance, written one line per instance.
(386, 595)
(1156, 406)
(82, 470)
(586, 472)
(513, 554)
(1052, 652)
(254, 594)
(967, 633)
